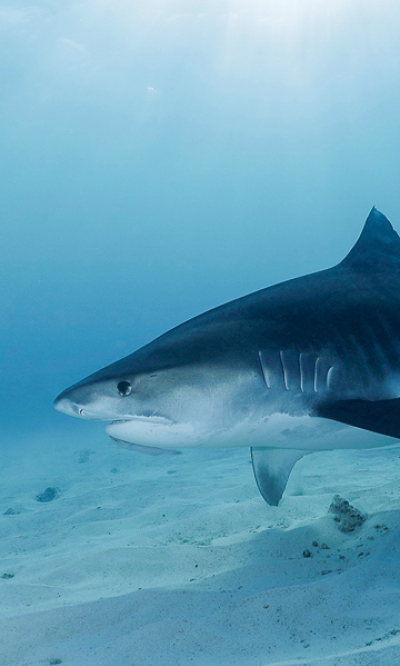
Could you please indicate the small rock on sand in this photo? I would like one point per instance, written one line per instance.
(347, 516)
(48, 495)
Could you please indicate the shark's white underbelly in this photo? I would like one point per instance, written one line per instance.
(276, 431)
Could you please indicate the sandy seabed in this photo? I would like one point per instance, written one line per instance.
(177, 560)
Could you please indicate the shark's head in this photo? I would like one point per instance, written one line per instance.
(183, 389)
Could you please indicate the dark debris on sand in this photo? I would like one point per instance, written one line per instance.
(48, 495)
(347, 517)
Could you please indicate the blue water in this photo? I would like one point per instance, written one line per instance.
(160, 158)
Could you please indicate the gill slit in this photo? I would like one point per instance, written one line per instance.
(284, 372)
(316, 364)
(264, 372)
(301, 374)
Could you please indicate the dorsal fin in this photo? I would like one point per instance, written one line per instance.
(378, 242)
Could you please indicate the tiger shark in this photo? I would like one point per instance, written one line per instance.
(309, 364)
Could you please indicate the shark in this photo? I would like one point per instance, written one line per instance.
(307, 365)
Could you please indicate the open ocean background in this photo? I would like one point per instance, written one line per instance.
(160, 158)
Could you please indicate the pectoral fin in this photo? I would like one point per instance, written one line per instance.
(272, 469)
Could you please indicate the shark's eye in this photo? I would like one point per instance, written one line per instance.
(124, 388)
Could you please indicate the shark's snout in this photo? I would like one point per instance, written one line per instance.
(99, 401)
(64, 403)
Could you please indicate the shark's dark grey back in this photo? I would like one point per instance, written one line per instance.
(313, 312)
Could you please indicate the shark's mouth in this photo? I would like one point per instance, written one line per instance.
(149, 420)
(156, 431)
(138, 428)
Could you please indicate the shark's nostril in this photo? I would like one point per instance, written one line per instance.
(81, 412)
